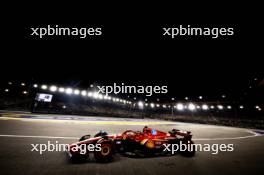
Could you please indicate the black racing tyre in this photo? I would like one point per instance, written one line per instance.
(106, 153)
(188, 152)
(84, 137)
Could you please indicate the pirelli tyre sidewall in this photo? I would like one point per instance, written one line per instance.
(106, 152)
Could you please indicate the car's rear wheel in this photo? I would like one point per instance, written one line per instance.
(106, 152)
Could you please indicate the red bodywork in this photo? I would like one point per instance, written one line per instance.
(149, 138)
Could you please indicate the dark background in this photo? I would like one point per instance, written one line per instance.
(132, 48)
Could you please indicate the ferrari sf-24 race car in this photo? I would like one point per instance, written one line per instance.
(149, 142)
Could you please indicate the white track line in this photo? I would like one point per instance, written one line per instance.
(42, 137)
(199, 139)
(231, 138)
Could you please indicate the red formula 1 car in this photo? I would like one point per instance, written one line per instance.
(149, 142)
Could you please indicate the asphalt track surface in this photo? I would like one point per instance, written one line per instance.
(19, 131)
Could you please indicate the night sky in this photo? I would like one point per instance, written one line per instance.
(132, 50)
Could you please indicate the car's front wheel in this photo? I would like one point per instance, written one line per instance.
(105, 154)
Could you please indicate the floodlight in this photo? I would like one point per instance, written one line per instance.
(179, 106)
(204, 107)
(95, 95)
(100, 96)
(83, 93)
(53, 88)
(90, 94)
(191, 107)
(61, 89)
(44, 87)
(152, 105)
(140, 104)
(69, 91)
(35, 85)
(76, 92)
(220, 107)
